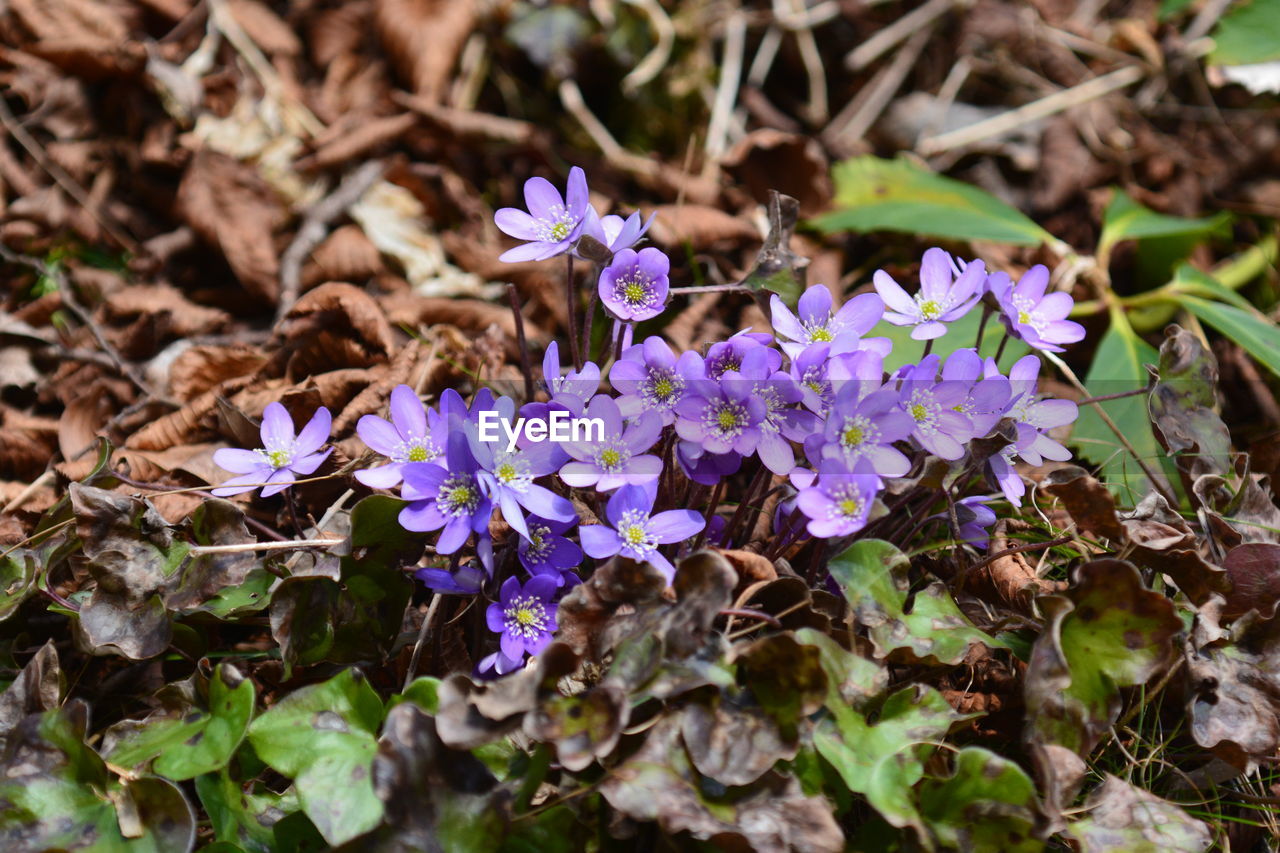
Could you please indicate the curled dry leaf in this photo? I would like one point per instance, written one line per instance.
(768, 159)
(1182, 406)
(1163, 540)
(1090, 504)
(1119, 816)
(1254, 572)
(198, 369)
(186, 317)
(424, 38)
(345, 255)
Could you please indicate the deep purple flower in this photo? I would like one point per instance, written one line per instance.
(986, 396)
(615, 459)
(1001, 467)
(497, 664)
(552, 224)
(974, 517)
(634, 285)
(465, 580)
(452, 499)
(1032, 414)
(842, 330)
(613, 232)
(524, 616)
(782, 422)
(934, 406)
(282, 457)
(946, 294)
(839, 501)
(508, 477)
(863, 424)
(632, 532)
(546, 551)
(650, 378)
(1033, 316)
(724, 415)
(408, 437)
(727, 355)
(572, 390)
(706, 469)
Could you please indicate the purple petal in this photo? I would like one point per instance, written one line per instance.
(541, 587)
(540, 197)
(676, 525)
(935, 274)
(277, 427)
(893, 294)
(242, 484)
(407, 413)
(494, 619)
(526, 252)
(599, 541)
(860, 313)
(278, 482)
(546, 503)
(580, 475)
(382, 477)
(516, 223)
(575, 192)
(307, 465)
(815, 304)
(454, 535)
(421, 517)
(928, 331)
(1033, 283)
(315, 433)
(378, 434)
(511, 645)
(238, 461)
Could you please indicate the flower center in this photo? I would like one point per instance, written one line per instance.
(930, 310)
(418, 453)
(1024, 318)
(919, 411)
(924, 411)
(851, 507)
(821, 335)
(506, 472)
(852, 436)
(727, 418)
(856, 433)
(526, 616)
(634, 532)
(847, 503)
(720, 366)
(537, 544)
(278, 458)
(636, 290)
(458, 496)
(556, 226)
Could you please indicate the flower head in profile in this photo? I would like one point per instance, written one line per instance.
(570, 390)
(633, 532)
(841, 330)
(946, 294)
(839, 501)
(410, 436)
(1033, 414)
(283, 456)
(1033, 316)
(524, 616)
(546, 550)
(612, 231)
(617, 458)
(552, 223)
(634, 286)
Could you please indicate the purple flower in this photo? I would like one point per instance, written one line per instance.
(782, 422)
(545, 551)
(612, 231)
(1031, 315)
(706, 469)
(727, 355)
(497, 664)
(986, 397)
(524, 616)
(817, 373)
(552, 224)
(946, 294)
(863, 426)
(634, 285)
(724, 415)
(282, 457)
(572, 390)
(651, 378)
(452, 499)
(974, 517)
(633, 533)
(407, 437)
(839, 502)
(934, 406)
(508, 478)
(843, 330)
(465, 580)
(1001, 467)
(1032, 414)
(615, 459)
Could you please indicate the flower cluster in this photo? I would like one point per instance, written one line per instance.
(810, 428)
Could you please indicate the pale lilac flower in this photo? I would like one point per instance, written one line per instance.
(839, 501)
(946, 294)
(649, 377)
(524, 616)
(1032, 414)
(863, 424)
(723, 416)
(634, 286)
(816, 324)
(1001, 467)
(465, 580)
(619, 458)
(612, 231)
(727, 355)
(410, 436)
(507, 476)
(552, 224)
(782, 422)
(546, 551)
(573, 389)
(819, 374)
(939, 426)
(986, 396)
(452, 499)
(1033, 316)
(282, 457)
(633, 533)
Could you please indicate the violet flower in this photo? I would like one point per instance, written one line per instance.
(939, 426)
(407, 437)
(524, 616)
(649, 377)
(1005, 475)
(817, 324)
(612, 231)
(496, 665)
(839, 501)
(634, 533)
(703, 468)
(946, 294)
(1032, 414)
(782, 421)
(282, 457)
(727, 355)
(452, 499)
(465, 580)
(546, 551)
(634, 286)
(573, 389)
(1033, 316)
(616, 459)
(552, 224)
(863, 427)
(723, 416)
(986, 397)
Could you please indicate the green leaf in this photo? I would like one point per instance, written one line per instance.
(1187, 280)
(1122, 818)
(323, 737)
(198, 743)
(18, 571)
(1258, 337)
(1118, 366)
(423, 692)
(874, 577)
(883, 760)
(257, 820)
(897, 195)
(1125, 219)
(1249, 33)
(988, 803)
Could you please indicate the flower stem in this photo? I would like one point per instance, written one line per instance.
(982, 327)
(1000, 349)
(589, 318)
(525, 366)
(928, 348)
(571, 305)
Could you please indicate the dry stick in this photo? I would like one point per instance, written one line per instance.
(245, 547)
(1116, 396)
(852, 122)
(1043, 108)
(911, 23)
(525, 367)
(1018, 549)
(726, 91)
(316, 224)
(423, 633)
(64, 180)
(656, 59)
(818, 109)
(1156, 483)
(574, 104)
(28, 491)
(570, 295)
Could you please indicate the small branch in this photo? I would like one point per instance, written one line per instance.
(246, 547)
(884, 39)
(423, 633)
(525, 367)
(1088, 401)
(1018, 549)
(746, 613)
(726, 91)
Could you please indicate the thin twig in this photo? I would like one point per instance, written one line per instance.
(525, 367)
(747, 613)
(1018, 549)
(909, 24)
(246, 547)
(726, 91)
(855, 119)
(423, 633)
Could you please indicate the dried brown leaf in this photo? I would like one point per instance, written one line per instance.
(424, 38)
(700, 226)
